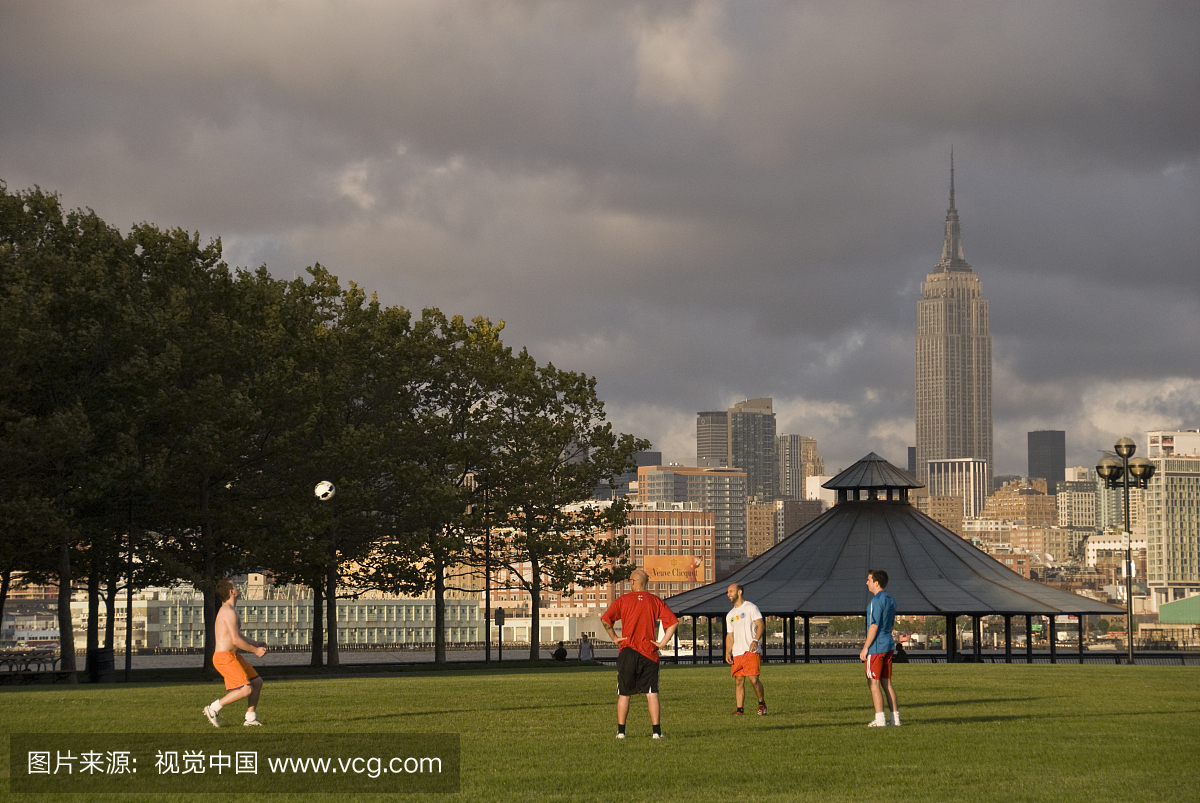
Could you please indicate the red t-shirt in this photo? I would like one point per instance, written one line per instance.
(638, 611)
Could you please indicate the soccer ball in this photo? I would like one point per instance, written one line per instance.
(324, 490)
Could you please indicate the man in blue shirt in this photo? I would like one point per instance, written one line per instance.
(877, 649)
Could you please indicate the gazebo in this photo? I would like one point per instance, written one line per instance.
(821, 569)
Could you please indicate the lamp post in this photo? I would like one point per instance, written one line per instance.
(1137, 472)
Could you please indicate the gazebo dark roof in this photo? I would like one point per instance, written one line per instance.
(872, 472)
(821, 569)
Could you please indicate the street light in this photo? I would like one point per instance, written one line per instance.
(1137, 471)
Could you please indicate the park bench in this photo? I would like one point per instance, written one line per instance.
(23, 666)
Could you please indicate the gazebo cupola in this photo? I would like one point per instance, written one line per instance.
(872, 479)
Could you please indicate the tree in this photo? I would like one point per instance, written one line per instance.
(442, 438)
(556, 449)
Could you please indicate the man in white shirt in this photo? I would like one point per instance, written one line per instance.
(744, 628)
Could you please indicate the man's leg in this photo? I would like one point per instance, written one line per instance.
(756, 682)
(876, 695)
(890, 693)
(255, 687)
(652, 703)
(622, 708)
(236, 694)
(739, 690)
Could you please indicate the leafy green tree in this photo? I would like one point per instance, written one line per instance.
(557, 447)
(442, 440)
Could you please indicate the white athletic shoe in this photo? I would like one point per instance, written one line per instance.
(212, 716)
(250, 723)
(876, 724)
(657, 736)
(620, 736)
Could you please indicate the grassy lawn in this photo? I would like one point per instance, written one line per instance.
(972, 732)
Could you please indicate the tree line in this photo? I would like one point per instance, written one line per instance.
(165, 417)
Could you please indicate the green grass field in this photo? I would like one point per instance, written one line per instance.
(972, 732)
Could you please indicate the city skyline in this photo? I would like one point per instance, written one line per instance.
(697, 203)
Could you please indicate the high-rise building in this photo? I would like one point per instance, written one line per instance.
(1048, 457)
(752, 446)
(719, 490)
(1165, 444)
(760, 528)
(954, 359)
(795, 459)
(963, 477)
(792, 514)
(748, 442)
(1173, 517)
(1076, 501)
(712, 439)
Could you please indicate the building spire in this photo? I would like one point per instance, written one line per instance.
(952, 177)
(952, 253)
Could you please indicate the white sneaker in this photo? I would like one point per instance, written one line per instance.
(620, 736)
(657, 736)
(895, 723)
(212, 716)
(876, 724)
(250, 723)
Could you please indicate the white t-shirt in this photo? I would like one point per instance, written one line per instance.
(739, 622)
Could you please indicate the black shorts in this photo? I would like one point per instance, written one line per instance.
(636, 674)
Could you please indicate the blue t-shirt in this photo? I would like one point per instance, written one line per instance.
(881, 611)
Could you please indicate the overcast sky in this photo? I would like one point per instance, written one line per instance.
(697, 203)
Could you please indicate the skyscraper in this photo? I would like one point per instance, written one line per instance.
(712, 439)
(795, 459)
(1048, 457)
(742, 437)
(954, 358)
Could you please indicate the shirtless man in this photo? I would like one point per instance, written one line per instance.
(240, 678)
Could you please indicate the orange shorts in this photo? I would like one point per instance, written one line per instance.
(746, 665)
(234, 669)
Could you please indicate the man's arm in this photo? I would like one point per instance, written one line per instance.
(729, 648)
(612, 634)
(259, 648)
(666, 639)
(872, 631)
(760, 626)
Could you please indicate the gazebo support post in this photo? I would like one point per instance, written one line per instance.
(977, 634)
(709, 618)
(951, 638)
(793, 637)
(1028, 639)
(1052, 630)
(1082, 618)
(807, 650)
(1008, 638)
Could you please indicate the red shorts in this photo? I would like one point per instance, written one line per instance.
(746, 665)
(234, 669)
(879, 666)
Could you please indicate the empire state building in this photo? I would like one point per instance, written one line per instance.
(954, 359)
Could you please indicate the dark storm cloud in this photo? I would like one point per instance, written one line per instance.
(696, 202)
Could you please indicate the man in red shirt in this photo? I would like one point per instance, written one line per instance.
(637, 662)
